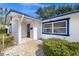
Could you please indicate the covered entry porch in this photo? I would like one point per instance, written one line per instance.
(24, 27)
(28, 29)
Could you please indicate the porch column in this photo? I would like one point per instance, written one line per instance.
(19, 29)
(19, 32)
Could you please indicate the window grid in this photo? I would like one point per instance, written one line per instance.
(63, 29)
(48, 28)
(60, 27)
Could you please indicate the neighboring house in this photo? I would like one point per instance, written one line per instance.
(65, 26)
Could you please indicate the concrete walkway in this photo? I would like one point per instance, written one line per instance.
(28, 48)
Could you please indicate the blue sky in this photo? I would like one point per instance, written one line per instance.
(30, 8)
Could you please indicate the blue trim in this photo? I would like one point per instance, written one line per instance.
(62, 14)
(56, 21)
(47, 18)
(11, 10)
(56, 34)
(68, 27)
(8, 12)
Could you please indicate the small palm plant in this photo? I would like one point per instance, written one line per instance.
(3, 12)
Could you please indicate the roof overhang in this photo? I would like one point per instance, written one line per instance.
(14, 13)
(17, 12)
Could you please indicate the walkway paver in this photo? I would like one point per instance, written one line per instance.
(28, 48)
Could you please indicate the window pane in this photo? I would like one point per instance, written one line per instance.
(60, 30)
(47, 25)
(60, 24)
(47, 30)
(60, 27)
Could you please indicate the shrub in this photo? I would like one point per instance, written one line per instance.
(8, 40)
(74, 48)
(3, 30)
(58, 47)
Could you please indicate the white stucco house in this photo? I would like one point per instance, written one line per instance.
(24, 27)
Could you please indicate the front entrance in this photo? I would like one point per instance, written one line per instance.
(28, 30)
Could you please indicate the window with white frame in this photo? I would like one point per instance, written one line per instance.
(57, 27)
(47, 28)
(60, 27)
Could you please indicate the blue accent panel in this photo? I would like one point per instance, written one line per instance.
(56, 21)
(31, 28)
(10, 28)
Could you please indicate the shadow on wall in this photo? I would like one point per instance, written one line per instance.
(40, 52)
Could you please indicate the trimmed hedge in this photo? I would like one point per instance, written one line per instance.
(58, 47)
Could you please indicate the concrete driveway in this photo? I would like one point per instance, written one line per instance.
(28, 48)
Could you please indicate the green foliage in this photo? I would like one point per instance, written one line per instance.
(74, 48)
(58, 47)
(50, 11)
(40, 13)
(3, 12)
(64, 9)
(1, 18)
(76, 7)
(3, 30)
(46, 12)
(8, 41)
